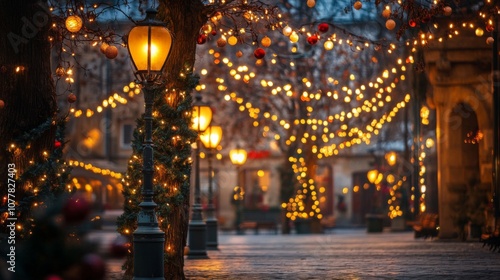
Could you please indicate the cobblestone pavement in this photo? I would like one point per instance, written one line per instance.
(340, 254)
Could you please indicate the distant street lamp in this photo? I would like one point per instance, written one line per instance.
(149, 44)
(238, 157)
(211, 139)
(201, 118)
(374, 176)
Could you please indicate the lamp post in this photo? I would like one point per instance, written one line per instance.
(149, 44)
(238, 157)
(201, 117)
(211, 139)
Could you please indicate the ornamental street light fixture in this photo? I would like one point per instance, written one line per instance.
(149, 44)
(201, 118)
(211, 139)
(238, 157)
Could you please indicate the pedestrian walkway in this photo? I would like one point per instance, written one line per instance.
(341, 254)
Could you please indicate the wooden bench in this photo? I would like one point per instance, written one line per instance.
(260, 219)
(426, 226)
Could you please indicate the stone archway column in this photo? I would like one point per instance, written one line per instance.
(459, 71)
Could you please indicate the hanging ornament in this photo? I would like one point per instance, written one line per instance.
(323, 27)
(120, 246)
(232, 40)
(221, 42)
(412, 23)
(266, 41)
(2, 104)
(390, 24)
(239, 54)
(328, 45)
(214, 32)
(202, 39)
(386, 13)
(74, 23)
(311, 3)
(287, 31)
(294, 37)
(60, 71)
(57, 144)
(111, 52)
(313, 39)
(76, 209)
(489, 28)
(71, 98)
(207, 28)
(479, 32)
(259, 53)
(93, 267)
(103, 47)
(447, 10)
(358, 5)
(490, 40)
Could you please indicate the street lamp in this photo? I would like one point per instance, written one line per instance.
(149, 44)
(238, 157)
(374, 176)
(211, 139)
(201, 118)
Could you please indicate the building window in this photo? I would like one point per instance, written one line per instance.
(126, 136)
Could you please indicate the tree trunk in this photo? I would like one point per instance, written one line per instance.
(27, 91)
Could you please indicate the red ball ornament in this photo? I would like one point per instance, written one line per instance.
(259, 53)
(214, 32)
(120, 246)
(93, 267)
(202, 39)
(412, 23)
(490, 28)
(323, 27)
(71, 98)
(76, 209)
(2, 104)
(313, 39)
(57, 144)
(111, 52)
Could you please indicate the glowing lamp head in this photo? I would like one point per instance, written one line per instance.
(211, 137)
(201, 115)
(149, 44)
(238, 156)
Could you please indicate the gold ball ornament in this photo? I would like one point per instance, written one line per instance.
(74, 23)
(103, 47)
(111, 52)
(221, 42)
(479, 32)
(386, 13)
(390, 24)
(232, 40)
(328, 45)
(266, 42)
(294, 37)
(2, 104)
(207, 28)
(358, 5)
(311, 3)
(287, 31)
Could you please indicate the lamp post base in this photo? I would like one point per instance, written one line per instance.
(197, 240)
(212, 227)
(148, 253)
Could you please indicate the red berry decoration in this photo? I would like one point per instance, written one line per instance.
(323, 27)
(202, 39)
(93, 267)
(76, 209)
(313, 39)
(57, 144)
(259, 53)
